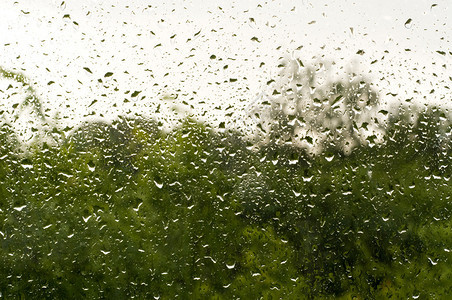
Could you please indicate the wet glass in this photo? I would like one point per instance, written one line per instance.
(236, 150)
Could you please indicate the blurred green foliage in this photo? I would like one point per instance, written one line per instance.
(125, 210)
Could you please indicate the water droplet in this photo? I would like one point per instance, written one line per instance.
(408, 23)
(230, 266)
(158, 184)
(20, 208)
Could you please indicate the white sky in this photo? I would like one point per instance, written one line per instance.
(153, 48)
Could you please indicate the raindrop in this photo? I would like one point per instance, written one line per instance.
(20, 208)
(158, 184)
(230, 266)
(408, 23)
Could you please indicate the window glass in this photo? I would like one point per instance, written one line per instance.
(236, 150)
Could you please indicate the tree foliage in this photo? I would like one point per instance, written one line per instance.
(126, 210)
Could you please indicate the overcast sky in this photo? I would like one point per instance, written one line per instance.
(215, 57)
